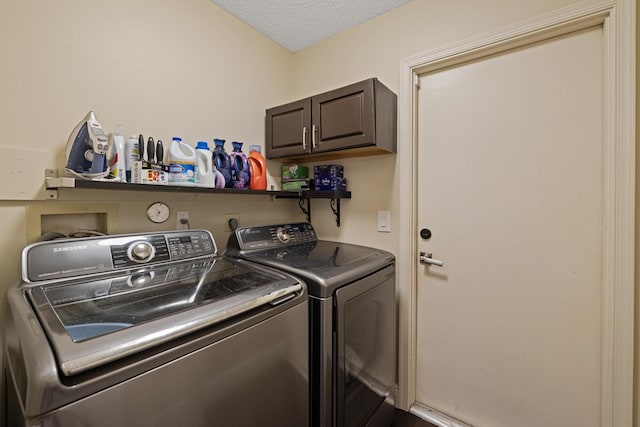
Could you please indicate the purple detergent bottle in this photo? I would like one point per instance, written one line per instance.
(240, 173)
(222, 162)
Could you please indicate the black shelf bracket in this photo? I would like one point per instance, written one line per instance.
(306, 211)
(304, 200)
(305, 207)
(335, 207)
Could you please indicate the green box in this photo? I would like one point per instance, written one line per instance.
(298, 184)
(294, 172)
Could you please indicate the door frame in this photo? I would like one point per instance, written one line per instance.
(617, 20)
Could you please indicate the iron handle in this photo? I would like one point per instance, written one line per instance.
(425, 258)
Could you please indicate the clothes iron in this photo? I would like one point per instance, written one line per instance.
(87, 149)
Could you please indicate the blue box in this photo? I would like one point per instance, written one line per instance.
(331, 184)
(329, 178)
(328, 171)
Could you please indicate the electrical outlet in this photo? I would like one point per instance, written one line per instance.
(182, 220)
(230, 216)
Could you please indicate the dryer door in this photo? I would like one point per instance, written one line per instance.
(365, 346)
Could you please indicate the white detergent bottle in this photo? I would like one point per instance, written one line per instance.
(118, 169)
(205, 176)
(131, 154)
(182, 163)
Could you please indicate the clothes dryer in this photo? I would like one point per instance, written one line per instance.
(352, 308)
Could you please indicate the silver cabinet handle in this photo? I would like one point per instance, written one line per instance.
(304, 138)
(313, 136)
(425, 258)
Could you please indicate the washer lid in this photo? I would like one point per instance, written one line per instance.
(323, 265)
(94, 322)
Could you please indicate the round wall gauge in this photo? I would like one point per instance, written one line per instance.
(158, 212)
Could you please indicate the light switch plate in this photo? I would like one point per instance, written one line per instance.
(384, 221)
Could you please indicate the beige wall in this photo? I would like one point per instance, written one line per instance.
(636, 378)
(175, 68)
(377, 48)
(172, 68)
(186, 68)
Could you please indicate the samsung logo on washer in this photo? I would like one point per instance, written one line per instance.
(70, 248)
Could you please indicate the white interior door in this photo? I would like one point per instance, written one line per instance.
(511, 184)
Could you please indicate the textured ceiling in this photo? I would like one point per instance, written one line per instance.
(297, 24)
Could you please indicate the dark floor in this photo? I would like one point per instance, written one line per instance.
(405, 419)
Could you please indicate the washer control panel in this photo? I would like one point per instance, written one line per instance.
(163, 247)
(59, 259)
(140, 250)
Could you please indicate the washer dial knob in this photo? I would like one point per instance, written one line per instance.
(282, 235)
(141, 251)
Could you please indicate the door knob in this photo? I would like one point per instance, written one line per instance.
(425, 258)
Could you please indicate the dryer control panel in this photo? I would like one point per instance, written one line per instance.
(58, 259)
(273, 236)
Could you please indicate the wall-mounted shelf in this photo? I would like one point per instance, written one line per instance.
(304, 196)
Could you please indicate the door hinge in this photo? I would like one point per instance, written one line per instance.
(416, 81)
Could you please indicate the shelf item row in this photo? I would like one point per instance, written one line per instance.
(304, 196)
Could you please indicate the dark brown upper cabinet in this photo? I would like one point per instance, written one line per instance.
(355, 120)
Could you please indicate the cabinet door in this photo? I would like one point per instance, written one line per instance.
(344, 118)
(288, 129)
